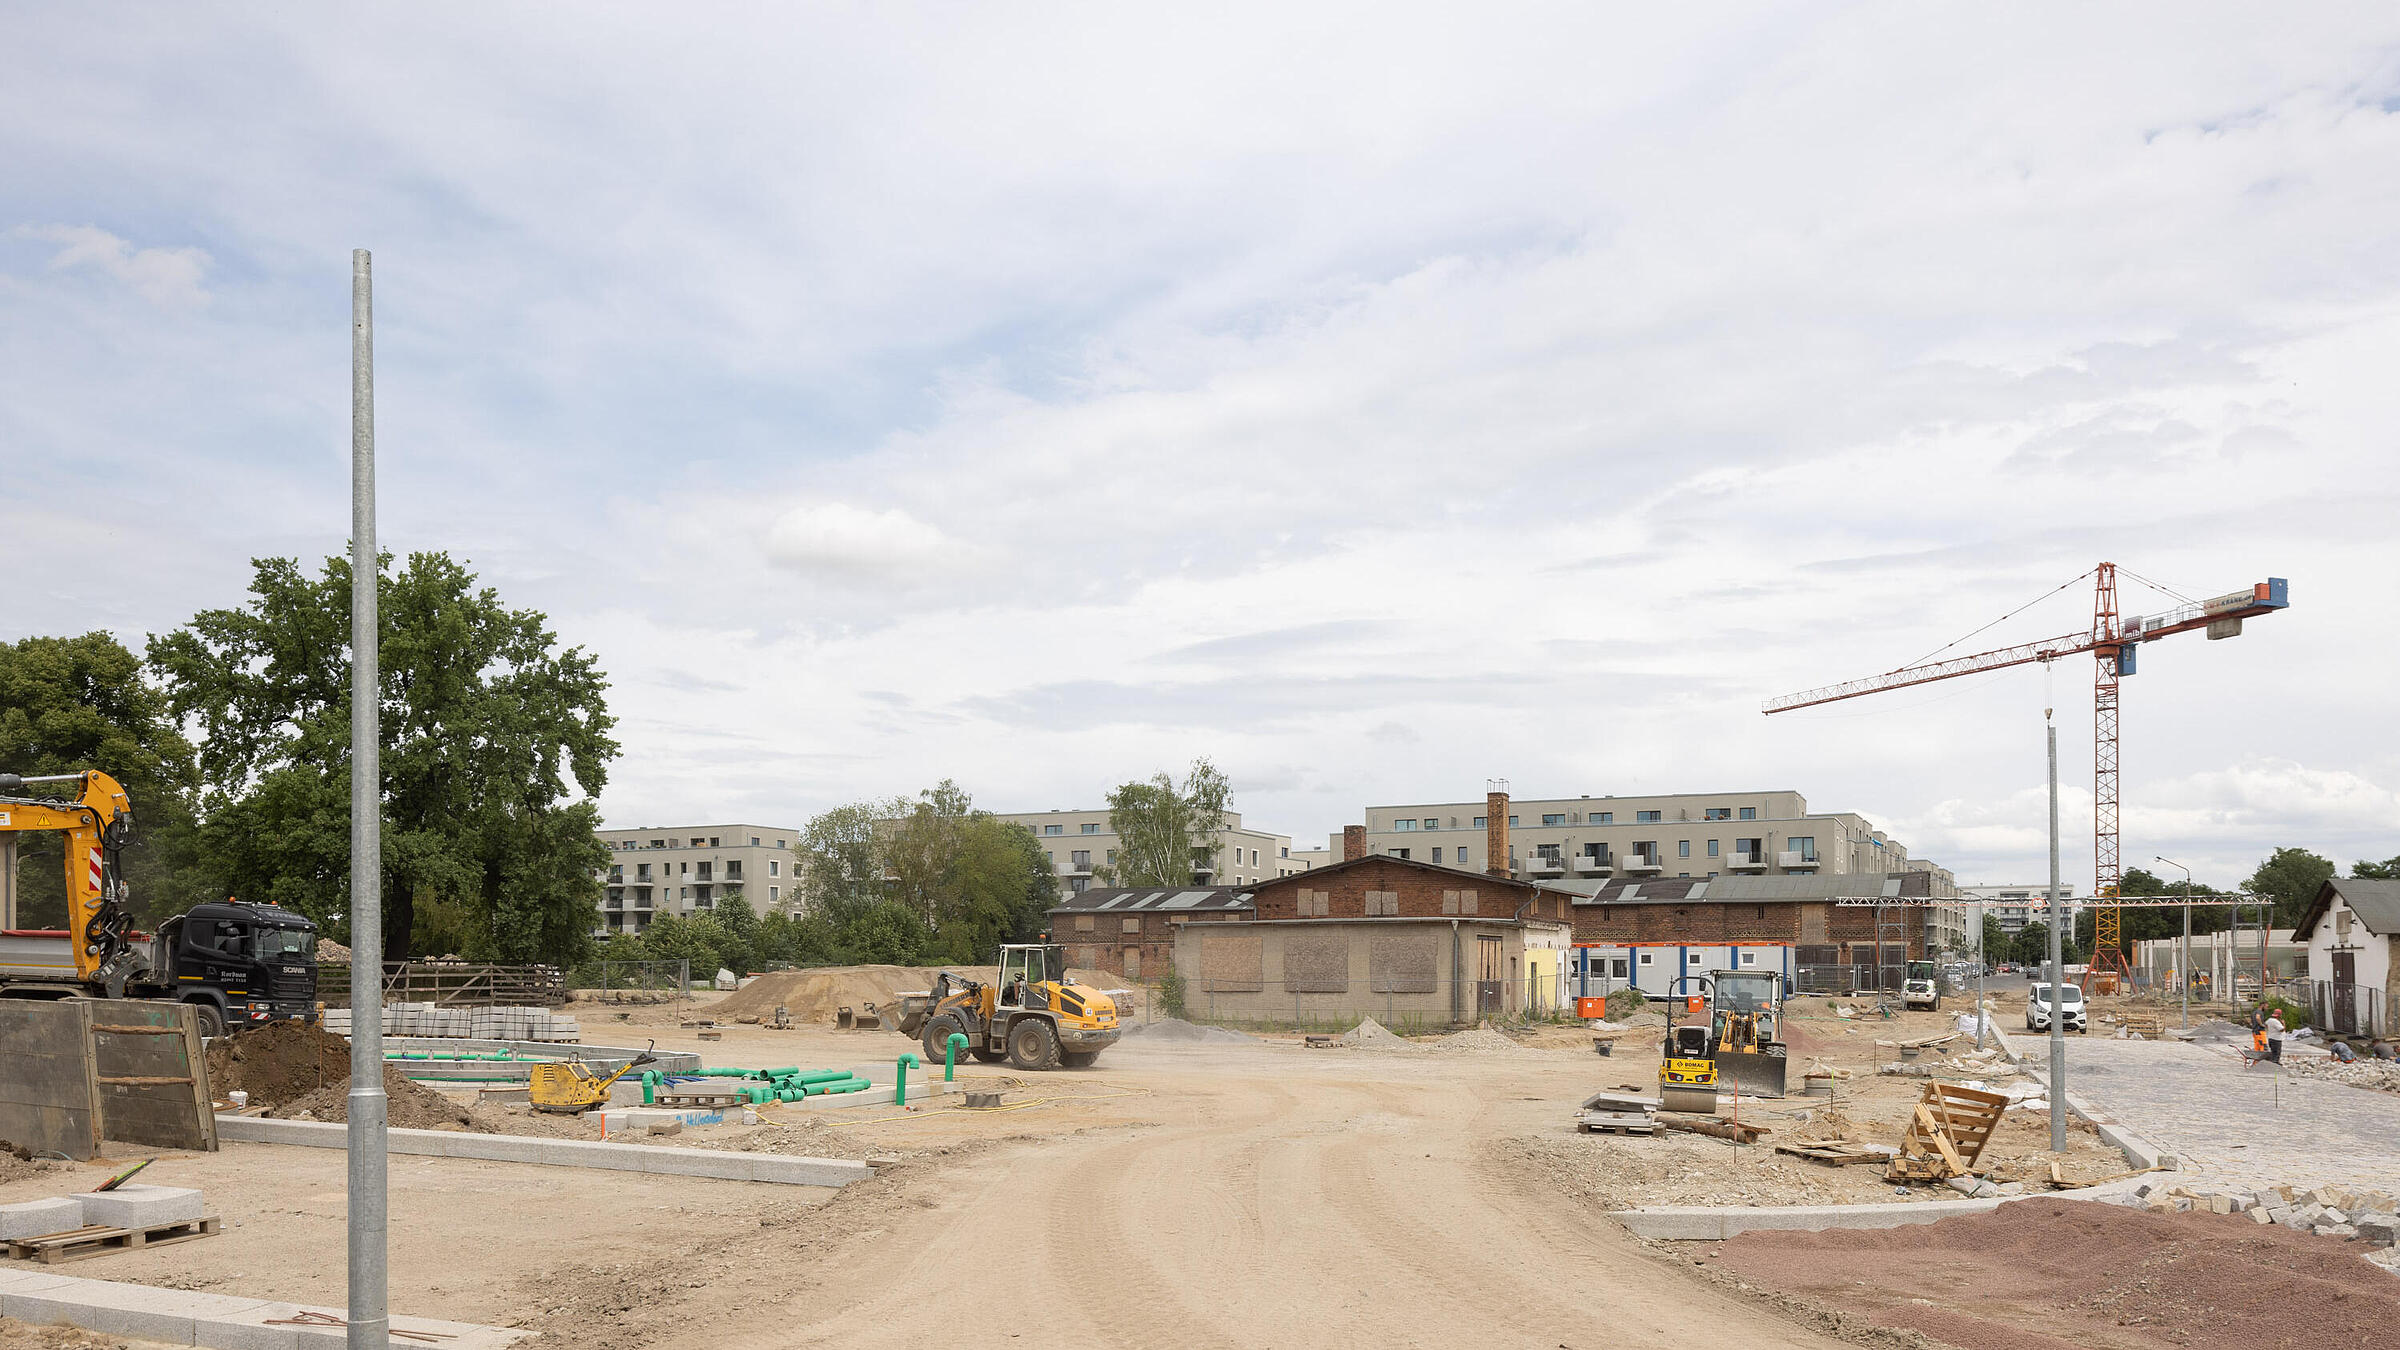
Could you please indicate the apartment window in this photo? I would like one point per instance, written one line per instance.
(1806, 847)
(1399, 853)
(1605, 818)
(1082, 859)
(1554, 818)
(1481, 822)
(1462, 857)
(1745, 850)
(658, 843)
(1683, 848)
(616, 897)
(1645, 817)
(774, 867)
(700, 895)
(1512, 822)
(779, 843)
(1437, 855)
(774, 893)
(1595, 850)
(617, 873)
(705, 869)
(1646, 850)
(698, 841)
(754, 841)
(1645, 958)
(1749, 958)
(1712, 848)
(1717, 813)
(1078, 885)
(1433, 822)
(1091, 827)
(1404, 825)
(1054, 829)
(1112, 857)
(641, 871)
(1749, 813)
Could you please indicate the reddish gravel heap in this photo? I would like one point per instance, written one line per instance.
(2051, 1274)
(277, 1062)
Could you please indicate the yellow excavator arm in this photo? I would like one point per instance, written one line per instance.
(99, 926)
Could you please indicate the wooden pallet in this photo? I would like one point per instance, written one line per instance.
(1946, 1133)
(692, 1100)
(77, 1244)
(1839, 1152)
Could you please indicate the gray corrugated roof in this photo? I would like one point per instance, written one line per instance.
(2377, 904)
(1146, 897)
(1739, 889)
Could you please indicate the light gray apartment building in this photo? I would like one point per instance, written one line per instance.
(687, 869)
(2012, 903)
(1081, 845)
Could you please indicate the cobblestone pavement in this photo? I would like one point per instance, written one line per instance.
(2231, 1121)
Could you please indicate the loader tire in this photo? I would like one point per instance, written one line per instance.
(1078, 1059)
(1032, 1045)
(987, 1055)
(938, 1032)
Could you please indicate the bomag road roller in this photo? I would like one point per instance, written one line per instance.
(1032, 1016)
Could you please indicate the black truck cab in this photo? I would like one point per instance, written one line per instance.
(253, 963)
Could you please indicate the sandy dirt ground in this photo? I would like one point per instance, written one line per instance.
(1174, 1196)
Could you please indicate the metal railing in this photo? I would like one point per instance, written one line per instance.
(456, 983)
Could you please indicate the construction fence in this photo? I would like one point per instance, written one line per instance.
(451, 984)
(2345, 1009)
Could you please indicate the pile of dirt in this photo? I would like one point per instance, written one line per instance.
(16, 1335)
(18, 1162)
(1477, 1041)
(277, 1062)
(413, 1106)
(2379, 1075)
(1370, 1034)
(1176, 1031)
(330, 950)
(2045, 1273)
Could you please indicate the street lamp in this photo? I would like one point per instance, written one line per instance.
(2183, 959)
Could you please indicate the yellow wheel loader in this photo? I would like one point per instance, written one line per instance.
(1746, 1031)
(1032, 1016)
(569, 1087)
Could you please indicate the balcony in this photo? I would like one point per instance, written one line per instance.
(1084, 868)
(1747, 862)
(1587, 864)
(1796, 862)
(1543, 865)
(1641, 862)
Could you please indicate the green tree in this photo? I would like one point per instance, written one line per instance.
(2387, 870)
(2290, 877)
(841, 859)
(76, 703)
(2032, 946)
(1163, 829)
(740, 948)
(889, 934)
(1996, 944)
(966, 879)
(489, 731)
(672, 937)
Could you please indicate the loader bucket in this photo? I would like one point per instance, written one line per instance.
(1750, 1072)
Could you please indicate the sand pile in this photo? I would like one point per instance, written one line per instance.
(1370, 1034)
(1478, 1041)
(277, 1062)
(1176, 1031)
(413, 1106)
(816, 995)
(18, 1162)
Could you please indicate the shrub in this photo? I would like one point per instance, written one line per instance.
(1170, 993)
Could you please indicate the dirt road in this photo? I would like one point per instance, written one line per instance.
(1279, 1199)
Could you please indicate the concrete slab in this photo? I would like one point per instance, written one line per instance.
(721, 1164)
(34, 1218)
(139, 1206)
(220, 1321)
(1711, 1222)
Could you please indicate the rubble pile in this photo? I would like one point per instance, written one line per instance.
(2327, 1211)
(2380, 1075)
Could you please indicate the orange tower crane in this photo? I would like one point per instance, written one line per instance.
(2114, 639)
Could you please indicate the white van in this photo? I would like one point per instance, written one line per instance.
(2069, 999)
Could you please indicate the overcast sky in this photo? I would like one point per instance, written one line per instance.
(1373, 401)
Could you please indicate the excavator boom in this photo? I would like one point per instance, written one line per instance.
(95, 822)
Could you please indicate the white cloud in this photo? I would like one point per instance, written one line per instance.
(846, 541)
(162, 276)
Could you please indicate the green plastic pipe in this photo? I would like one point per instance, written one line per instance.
(649, 1087)
(950, 1049)
(900, 1076)
(842, 1084)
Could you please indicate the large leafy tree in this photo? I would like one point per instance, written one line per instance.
(490, 731)
(68, 704)
(2387, 870)
(1164, 828)
(2290, 877)
(903, 882)
(842, 859)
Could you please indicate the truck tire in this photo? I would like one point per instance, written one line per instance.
(212, 1019)
(1032, 1045)
(1078, 1059)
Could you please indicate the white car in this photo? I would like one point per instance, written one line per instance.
(2068, 997)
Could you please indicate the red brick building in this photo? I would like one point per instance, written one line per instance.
(1130, 932)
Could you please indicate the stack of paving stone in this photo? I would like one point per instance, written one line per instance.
(482, 1023)
(2327, 1211)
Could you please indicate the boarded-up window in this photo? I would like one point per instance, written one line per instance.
(1466, 902)
(1315, 904)
(1084, 958)
(1450, 902)
(1812, 927)
(1317, 963)
(1403, 963)
(1383, 904)
(1233, 962)
(1133, 963)
(1083, 923)
(1133, 924)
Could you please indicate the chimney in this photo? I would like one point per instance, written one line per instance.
(1354, 842)
(1495, 833)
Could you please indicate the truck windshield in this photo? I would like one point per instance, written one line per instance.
(274, 944)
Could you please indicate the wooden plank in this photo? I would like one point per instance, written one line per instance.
(82, 1244)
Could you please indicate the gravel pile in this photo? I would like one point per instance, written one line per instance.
(1370, 1034)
